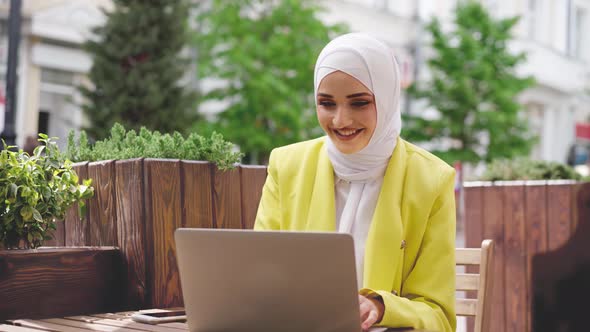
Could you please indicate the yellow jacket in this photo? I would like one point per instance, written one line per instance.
(410, 249)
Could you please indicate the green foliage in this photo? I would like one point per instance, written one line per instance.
(473, 90)
(137, 69)
(264, 53)
(526, 169)
(34, 191)
(123, 144)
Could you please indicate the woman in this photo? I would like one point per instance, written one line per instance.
(396, 199)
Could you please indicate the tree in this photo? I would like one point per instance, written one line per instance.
(137, 69)
(473, 90)
(264, 53)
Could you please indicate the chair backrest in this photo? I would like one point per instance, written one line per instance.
(480, 282)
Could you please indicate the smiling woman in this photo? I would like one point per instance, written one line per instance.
(395, 199)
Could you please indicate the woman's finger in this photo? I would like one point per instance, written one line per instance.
(370, 320)
(364, 308)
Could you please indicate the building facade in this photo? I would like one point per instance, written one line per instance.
(552, 32)
(50, 65)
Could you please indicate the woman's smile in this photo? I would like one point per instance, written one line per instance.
(347, 134)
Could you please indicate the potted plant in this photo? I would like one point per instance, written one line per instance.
(35, 190)
(149, 183)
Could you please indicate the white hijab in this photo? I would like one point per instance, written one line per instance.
(372, 63)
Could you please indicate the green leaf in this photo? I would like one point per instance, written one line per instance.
(37, 216)
(13, 190)
(26, 213)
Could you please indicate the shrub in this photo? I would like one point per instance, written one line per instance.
(124, 144)
(34, 191)
(526, 169)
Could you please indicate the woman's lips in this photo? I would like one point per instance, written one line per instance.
(347, 134)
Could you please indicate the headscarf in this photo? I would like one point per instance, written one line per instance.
(372, 63)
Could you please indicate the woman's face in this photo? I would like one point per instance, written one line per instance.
(346, 111)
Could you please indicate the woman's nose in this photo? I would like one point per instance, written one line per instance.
(342, 118)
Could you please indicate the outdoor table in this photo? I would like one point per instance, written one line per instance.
(108, 322)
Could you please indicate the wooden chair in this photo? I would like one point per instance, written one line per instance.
(481, 282)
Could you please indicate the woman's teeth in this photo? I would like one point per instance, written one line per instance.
(347, 132)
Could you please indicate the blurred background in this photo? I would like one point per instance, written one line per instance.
(245, 69)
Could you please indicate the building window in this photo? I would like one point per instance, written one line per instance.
(534, 16)
(579, 45)
(381, 4)
(56, 76)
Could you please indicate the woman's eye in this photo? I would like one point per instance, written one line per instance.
(326, 103)
(360, 103)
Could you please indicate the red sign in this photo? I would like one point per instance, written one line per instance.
(583, 131)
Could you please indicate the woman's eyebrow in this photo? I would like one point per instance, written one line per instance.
(320, 94)
(360, 94)
(354, 95)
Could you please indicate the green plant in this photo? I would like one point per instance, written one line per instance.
(526, 169)
(124, 144)
(262, 53)
(35, 190)
(473, 90)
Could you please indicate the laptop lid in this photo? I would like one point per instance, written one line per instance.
(244, 280)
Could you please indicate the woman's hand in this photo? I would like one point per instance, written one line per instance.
(371, 311)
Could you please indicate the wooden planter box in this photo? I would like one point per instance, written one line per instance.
(140, 202)
(138, 205)
(524, 219)
(52, 282)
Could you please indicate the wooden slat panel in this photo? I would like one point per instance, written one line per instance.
(67, 323)
(46, 326)
(583, 206)
(126, 316)
(164, 186)
(253, 178)
(474, 215)
(76, 232)
(102, 209)
(467, 281)
(473, 223)
(61, 281)
(149, 233)
(227, 199)
(176, 325)
(579, 203)
(12, 328)
(468, 256)
(129, 193)
(560, 276)
(536, 230)
(126, 324)
(514, 258)
(197, 204)
(494, 229)
(59, 235)
(559, 215)
(465, 307)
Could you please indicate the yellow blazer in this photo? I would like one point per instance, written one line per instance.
(410, 249)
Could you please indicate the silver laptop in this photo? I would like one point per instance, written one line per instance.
(243, 280)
